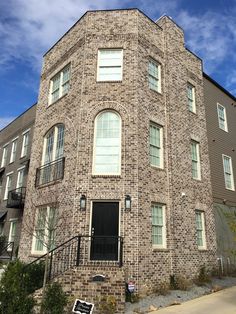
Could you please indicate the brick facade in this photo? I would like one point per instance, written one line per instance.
(140, 38)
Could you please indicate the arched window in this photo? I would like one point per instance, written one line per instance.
(52, 168)
(107, 144)
(53, 144)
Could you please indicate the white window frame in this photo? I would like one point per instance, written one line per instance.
(46, 231)
(231, 173)
(20, 171)
(192, 101)
(118, 65)
(4, 155)
(95, 146)
(13, 150)
(224, 120)
(61, 83)
(55, 138)
(24, 148)
(202, 229)
(8, 187)
(157, 126)
(13, 221)
(156, 78)
(197, 161)
(163, 226)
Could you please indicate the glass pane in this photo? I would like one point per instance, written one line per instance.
(60, 142)
(49, 147)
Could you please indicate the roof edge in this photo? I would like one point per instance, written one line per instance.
(219, 86)
(18, 117)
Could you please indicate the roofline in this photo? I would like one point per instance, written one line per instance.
(18, 117)
(193, 53)
(93, 11)
(219, 86)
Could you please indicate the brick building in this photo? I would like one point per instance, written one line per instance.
(15, 143)
(120, 153)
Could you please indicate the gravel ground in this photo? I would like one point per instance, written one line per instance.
(177, 296)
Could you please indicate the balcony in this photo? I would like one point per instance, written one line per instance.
(16, 198)
(50, 172)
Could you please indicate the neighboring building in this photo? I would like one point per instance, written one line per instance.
(221, 125)
(120, 151)
(15, 147)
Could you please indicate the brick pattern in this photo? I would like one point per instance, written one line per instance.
(137, 105)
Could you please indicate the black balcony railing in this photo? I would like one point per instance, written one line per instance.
(16, 198)
(84, 250)
(50, 172)
(7, 250)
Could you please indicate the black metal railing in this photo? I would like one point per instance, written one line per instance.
(6, 250)
(50, 172)
(84, 250)
(16, 198)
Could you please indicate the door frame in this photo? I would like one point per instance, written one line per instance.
(90, 223)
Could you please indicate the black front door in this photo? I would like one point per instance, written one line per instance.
(105, 231)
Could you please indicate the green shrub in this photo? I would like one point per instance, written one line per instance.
(162, 288)
(183, 283)
(13, 298)
(33, 277)
(203, 277)
(107, 305)
(54, 300)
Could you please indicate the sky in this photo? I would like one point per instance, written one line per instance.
(28, 28)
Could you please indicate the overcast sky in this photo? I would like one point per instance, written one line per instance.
(28, 28)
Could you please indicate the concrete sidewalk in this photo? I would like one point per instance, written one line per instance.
(221, 302)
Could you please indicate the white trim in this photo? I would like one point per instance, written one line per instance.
(95, 146)
(9, 173)
(98, 64)
(6, 186)
(203, 246)
(198, 160)
(164, 244)
(5, 144)
(26, 131)
(4, 155)
(13, 150)
(14, 139)
(22, 154)
(225, 118)
(18, 177)
(158, 79)
(12, 221)
(232, 173)
(194, 97)
(20, 168)
(160, 127)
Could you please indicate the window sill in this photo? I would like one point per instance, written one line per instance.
(156, 249)
(197, 180)
(106, 176)
(156, 91)
(233, 190)
(202, 249)
(192, 112)
(157, 168)
(52, 103)
(49, 184)
(118, 81)
(36, 255)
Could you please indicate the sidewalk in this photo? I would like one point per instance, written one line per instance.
(222, 302)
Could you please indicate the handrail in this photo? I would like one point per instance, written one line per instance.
(50, 172)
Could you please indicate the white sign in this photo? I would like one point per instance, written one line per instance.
(131, 286)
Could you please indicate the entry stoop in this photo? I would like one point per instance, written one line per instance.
(90, 283)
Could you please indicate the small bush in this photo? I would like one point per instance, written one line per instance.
(13, 297)
(54, 300)
(107, 305)
(203, 277)
(173, 282)
(162, 288)
(183, 283)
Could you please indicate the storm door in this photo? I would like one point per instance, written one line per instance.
(105, 231)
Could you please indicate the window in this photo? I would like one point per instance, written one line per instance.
(191, 98)
(110, 63)
(8, 185)
(155, 141)
(44, 235)
(12, 233)
(196, 171)
(222, 117)
(25, 144)
(60, 84)
(228, 173)
(20, 177)
(107, 144)
(200, 225)
(53, 144)
(13, 151)
(158, 226)
(4, 156)
(154, 75)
